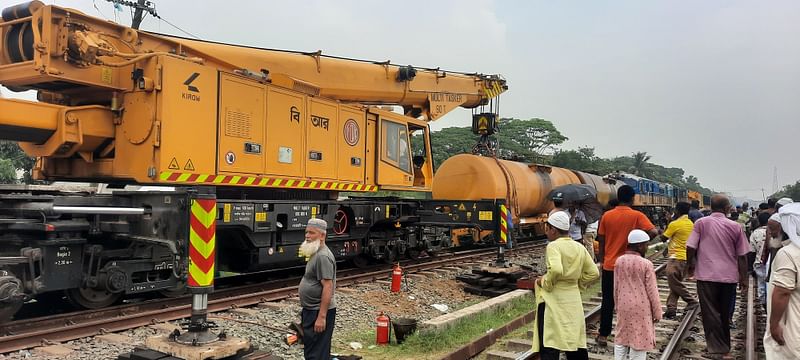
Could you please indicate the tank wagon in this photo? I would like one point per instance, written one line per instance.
(526, 186)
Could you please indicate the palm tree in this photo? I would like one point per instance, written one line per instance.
(640, 160)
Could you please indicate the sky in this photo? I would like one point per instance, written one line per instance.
(709, 86)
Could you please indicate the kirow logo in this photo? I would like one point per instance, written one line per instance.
(191, 88)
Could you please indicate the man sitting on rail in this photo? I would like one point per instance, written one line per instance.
(558, 296)
(316, 292)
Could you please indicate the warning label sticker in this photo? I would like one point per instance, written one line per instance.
(174, 164)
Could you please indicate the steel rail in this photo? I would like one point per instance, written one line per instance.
(590, 316)
(29, 333)
(671, 351)
(751, 337)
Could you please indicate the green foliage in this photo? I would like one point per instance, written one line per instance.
(433, 345)
(584, 159)
(18, 160)
(790, 191)
(8, 175)
(639, 165)
(531, 140)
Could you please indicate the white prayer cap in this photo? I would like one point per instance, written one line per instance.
(318, 223)
(785, 201)
(637, 237)
(775, 217)
(559, 219)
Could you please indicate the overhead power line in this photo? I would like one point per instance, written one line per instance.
(143, 7)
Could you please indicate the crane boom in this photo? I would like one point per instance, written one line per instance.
(119, 104)
(361, 81)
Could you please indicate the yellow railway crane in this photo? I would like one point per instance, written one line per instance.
(255, 141)
(122, 105)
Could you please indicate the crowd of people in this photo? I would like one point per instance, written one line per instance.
(712, 249)
(720, 248)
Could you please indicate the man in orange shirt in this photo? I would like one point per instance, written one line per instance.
(615, 225)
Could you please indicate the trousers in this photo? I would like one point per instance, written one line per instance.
(546, 353)
(607, 304)
(588, 242)
(622, 352)
(676, 272)
(716, 301)
(317, 346)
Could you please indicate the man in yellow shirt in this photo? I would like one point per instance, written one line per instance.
(678, 232)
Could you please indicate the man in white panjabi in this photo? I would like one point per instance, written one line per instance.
(782, 338)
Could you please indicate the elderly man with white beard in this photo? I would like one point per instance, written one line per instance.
(316, 292)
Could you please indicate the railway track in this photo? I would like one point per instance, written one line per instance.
(28, 333)
(681, 338)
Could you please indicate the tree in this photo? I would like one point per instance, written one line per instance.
(10, 151)
(447, 142)
(790, 191)
(530, 140)
(582, 159)
(8, 175)
(640, 160)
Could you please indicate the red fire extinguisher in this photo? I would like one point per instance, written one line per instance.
(397, 277)
(384, 329)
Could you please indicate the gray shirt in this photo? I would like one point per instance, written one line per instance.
(575, 231)
(322, 265)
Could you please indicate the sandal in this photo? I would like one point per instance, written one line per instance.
(601, 341)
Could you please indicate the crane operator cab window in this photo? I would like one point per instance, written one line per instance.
(397, 149)
(405, 150)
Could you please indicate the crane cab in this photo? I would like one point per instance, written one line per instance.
(403, 158)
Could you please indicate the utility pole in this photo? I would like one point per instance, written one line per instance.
(138, 14)
(775, 180)
(140, 7)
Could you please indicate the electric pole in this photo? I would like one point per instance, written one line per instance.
(140, 7)
(138, 14)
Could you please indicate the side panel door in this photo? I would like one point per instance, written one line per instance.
(352, 144)
(321, 139)
(241, 125)
(285, 148)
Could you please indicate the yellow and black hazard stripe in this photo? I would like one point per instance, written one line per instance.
(260, 181)
(202, 242)
(493, 90)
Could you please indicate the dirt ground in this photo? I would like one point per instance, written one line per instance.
(416, 301)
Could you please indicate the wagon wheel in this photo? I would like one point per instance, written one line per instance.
(7, 311)
(88, 298)
(360, 261)
(341, 224)
(413, 253)
(389, 254)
